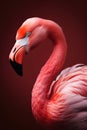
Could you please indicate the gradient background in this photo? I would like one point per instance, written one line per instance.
(15, 91)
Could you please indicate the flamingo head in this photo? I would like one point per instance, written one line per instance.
(28, 36)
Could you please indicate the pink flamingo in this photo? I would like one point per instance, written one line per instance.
(56, 99)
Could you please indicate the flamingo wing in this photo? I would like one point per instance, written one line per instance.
(69, 97)
(73, 80)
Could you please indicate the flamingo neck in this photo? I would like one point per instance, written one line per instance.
(48, 73)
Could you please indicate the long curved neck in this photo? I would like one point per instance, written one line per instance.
(50, 70)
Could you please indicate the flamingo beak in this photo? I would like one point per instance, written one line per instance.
(17, 54)
(17, 67)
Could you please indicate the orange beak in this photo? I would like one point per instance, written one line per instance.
(17, 54)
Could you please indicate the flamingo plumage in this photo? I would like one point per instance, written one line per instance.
(56, 99)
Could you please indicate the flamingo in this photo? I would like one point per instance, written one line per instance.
(59, 97)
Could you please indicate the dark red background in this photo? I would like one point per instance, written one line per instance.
(16, 91)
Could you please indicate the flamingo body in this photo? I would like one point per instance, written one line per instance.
(56, 99)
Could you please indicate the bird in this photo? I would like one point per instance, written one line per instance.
(59, 97)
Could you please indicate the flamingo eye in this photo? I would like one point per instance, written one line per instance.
(28, 34)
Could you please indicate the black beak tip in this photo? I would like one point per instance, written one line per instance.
(17, 67)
